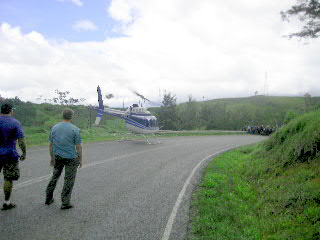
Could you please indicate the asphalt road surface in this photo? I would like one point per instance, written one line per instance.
(128, 190)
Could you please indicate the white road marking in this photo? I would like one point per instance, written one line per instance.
(167, 231)
(46, 177)
(32, 181)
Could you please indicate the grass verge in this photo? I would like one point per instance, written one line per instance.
(241, 197)
(268, 191)
(113, 130)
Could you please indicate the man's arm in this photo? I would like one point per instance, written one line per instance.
(23, 148)
(52, 161)
(79, 152)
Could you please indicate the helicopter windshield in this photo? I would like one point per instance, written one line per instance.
(148, 122)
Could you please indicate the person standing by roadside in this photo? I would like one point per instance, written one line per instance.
(10, 131)
(66, 152)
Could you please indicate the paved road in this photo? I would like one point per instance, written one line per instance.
(126, 190)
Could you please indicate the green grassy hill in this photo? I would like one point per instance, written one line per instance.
(237, 113)
(266, 191)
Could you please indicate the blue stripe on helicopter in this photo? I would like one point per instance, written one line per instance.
(135, 124)
(128, 120)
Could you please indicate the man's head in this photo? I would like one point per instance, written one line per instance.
(6, 108)
(67, 114)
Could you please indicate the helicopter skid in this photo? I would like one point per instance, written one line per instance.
(138, 130)
(136, 137)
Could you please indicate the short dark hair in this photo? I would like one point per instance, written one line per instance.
(67, 114)
(6, 108)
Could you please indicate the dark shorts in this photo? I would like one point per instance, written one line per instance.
(11, 170)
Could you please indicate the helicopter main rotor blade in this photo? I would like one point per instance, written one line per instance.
(141, 96)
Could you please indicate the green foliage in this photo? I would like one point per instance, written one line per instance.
(267, 191)
(25, 111)
(308, 12)
(189, 115)
(298, 141)
(38, 119)
(167, 115)
(224, 206)
(232, 114)
(110, 130)
(290, 115)
(238, 113)
(62, 98)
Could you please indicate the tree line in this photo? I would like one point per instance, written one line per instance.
(220, 114)
(231, 114)
(47, 113)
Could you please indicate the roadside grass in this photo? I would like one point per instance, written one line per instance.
(267, 191)
(195, 133)
(225, 203)
(237, 200)
(112, 129)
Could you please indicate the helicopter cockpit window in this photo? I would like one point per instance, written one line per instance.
(138, 120)
(151, 122)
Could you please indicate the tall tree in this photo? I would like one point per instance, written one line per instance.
(189, 115)
(308, 12)
(167, 116)
(62, 98)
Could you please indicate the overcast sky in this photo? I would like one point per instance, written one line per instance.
(205, 48)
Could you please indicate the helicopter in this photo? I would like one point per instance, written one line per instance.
(138, 120)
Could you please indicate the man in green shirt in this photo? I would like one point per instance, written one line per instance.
(66, 152)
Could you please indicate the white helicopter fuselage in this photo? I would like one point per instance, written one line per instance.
(137, 119)
(140, 121)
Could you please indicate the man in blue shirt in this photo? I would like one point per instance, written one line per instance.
(10, 131)
(66, 152)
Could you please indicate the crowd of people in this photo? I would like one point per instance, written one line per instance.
(260, 130)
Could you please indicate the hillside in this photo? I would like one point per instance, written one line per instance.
(237, 113)
(266, 191)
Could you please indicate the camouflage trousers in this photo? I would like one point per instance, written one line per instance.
(70, 166)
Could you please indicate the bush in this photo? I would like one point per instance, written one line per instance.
(298, 141)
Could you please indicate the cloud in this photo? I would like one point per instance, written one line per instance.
(204, 48)
(85, 25)
(76, 2)
(121, 10)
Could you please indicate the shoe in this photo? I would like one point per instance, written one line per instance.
(68, 206)
(8, 206)
(49, 201)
